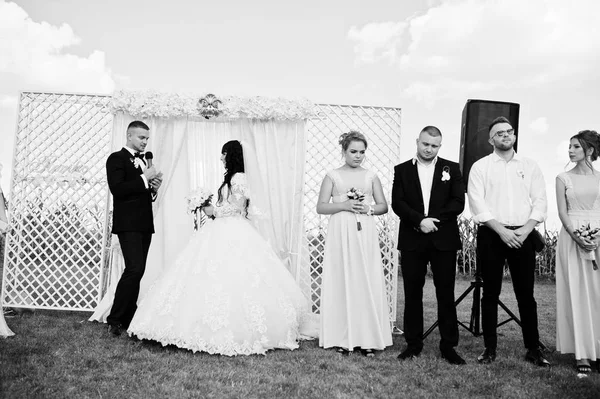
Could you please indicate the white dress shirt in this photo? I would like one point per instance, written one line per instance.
(142, 165)
(511, 192)
(425, 172)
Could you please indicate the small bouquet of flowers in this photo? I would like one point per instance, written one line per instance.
(197, 200)
(358, 195)
(588, 233)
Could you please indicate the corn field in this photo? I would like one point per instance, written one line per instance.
(466, 260)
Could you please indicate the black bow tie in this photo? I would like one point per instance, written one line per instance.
(139, 155)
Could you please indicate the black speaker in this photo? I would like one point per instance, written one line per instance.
(474, 138)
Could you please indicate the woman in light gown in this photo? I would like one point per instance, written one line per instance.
(4, 330)
(577, 283)
(227, 293)
(354, 308)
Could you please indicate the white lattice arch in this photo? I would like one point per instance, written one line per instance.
(57, 241)
(54, 248)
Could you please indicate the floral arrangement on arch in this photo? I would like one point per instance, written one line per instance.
(152, 103)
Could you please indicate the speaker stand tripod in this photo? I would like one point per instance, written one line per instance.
(474, 326)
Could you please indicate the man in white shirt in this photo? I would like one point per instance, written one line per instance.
(507, 198)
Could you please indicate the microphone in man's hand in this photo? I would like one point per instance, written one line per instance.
(149, 157)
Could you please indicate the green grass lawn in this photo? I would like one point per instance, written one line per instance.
(60, 355)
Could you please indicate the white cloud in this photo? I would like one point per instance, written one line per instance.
(33, 56)
(562, 151)
(7, 101)
(463, 48)
(377, 41)
(431, 3)
(539, 125)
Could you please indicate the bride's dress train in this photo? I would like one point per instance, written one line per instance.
(4, 330)
(227, 293)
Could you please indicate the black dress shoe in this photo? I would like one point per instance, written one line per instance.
(536, 357)
(452, 357)
(115, 329)
(368, 352)
(409, 353)
(342, 351)
(487, 356)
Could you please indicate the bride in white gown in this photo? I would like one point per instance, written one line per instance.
(227, 293)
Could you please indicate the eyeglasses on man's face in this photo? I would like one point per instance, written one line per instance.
(504, 133)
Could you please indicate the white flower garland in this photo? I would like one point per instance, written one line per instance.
(150, 103)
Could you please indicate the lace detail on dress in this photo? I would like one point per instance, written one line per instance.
(335, 177)
(175, 291)
(338, 194)
(218, 308)
(293, 316)
(255, 315)
(569, 194)
(234, 202)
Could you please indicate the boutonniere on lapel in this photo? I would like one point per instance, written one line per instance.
(446, 173)
(521, 174)
(137, 162)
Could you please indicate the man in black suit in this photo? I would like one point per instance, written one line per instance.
(428, 195)
(134, 187)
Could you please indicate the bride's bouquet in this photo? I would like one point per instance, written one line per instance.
(197, 200)
(588, 233)
(358, 195)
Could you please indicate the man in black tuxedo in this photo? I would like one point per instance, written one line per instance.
(428, 194)
(133, 185)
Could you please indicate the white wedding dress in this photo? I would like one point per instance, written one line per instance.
(227, 293)
(4, 330)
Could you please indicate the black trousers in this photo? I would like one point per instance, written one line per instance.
(492, 254)
(135, 247)
(414, 269)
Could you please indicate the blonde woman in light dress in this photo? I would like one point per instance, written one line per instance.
(577, 283)
(354, 308)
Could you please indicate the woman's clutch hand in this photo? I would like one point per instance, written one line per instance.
(586, 244)
(359, 207)
(349, 205)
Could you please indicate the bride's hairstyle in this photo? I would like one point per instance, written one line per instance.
(234, 163)
(589, 139)
(352, 135)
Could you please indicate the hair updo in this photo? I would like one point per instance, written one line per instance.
(352, 135)
(589, 139)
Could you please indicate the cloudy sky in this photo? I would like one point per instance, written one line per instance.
(425, 56)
